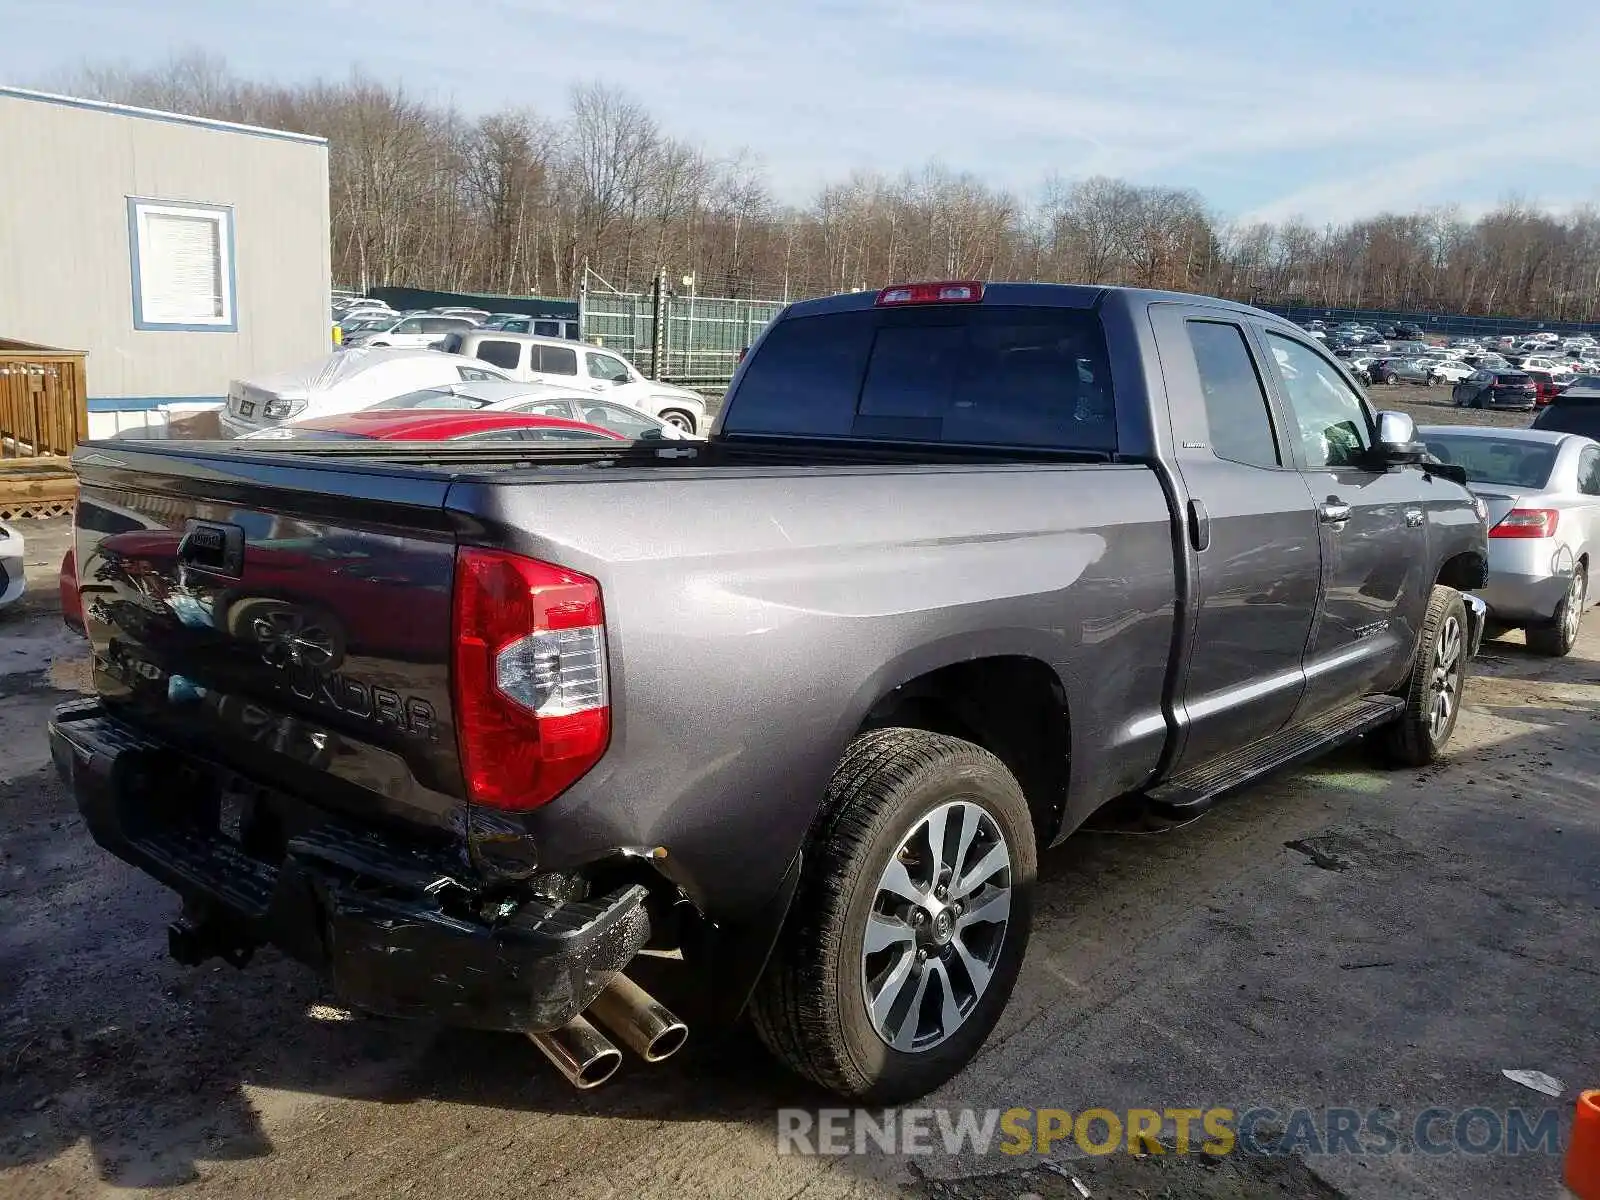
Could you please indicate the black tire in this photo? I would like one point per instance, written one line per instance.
(1414, 739)
(677, 417)
(1557, 638)
(809, 1007)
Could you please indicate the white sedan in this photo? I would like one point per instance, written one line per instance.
(344, 382)
(1542, 492)
(12, 577)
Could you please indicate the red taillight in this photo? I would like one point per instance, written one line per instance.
(1527, 523)
(956, 291)
(67, 586)
(531, 705)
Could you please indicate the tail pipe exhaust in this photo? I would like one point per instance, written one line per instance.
(580, 1052)
(640, 1021)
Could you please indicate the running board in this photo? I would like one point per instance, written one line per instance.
(1195, 789)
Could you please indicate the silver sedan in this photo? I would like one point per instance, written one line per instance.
(1542, 490)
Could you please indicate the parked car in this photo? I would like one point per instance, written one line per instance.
(437, 425)
(1451, 371)
(417, 331)
(556, 361)
(1542, 490)
(1575, 409)
(13, 579)
(499, 396)
(553, 327)
(1407, 370)
(1495, 389)
(1405, 331)
(1547, 385)
(798, 705)
(476, 315)
(343, 382)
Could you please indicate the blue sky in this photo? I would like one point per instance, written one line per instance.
(1272, 109)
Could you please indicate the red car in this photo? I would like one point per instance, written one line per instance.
(443, 425)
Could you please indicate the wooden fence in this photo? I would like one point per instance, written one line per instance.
(44, 413)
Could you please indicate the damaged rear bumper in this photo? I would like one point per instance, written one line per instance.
(386, 922)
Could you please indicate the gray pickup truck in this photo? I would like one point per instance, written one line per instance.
(778, 722)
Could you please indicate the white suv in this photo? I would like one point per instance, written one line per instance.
(531, 359)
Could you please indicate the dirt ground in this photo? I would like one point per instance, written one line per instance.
(1336, 936)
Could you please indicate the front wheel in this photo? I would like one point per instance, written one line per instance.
(909, 927)
(678, 420)
(1558, 637)
(1432, 692)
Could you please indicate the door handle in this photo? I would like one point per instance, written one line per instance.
(1333, 512)
(1199, 525)
(1413, 518)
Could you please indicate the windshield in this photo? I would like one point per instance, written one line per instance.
(1504, 462)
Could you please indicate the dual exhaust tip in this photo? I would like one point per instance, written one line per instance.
(641, 1022)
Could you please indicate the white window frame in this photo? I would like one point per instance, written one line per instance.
(139, 208)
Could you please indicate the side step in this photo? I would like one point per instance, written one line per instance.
(1195, 789)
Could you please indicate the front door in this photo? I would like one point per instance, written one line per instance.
(1252, 536)
(1373, 527)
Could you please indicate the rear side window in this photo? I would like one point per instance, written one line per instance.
(547, 328)
(1236, 403)
(501, 354)
(556, 360)
(1004, 376)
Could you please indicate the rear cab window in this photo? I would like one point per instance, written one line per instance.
(1001, 375)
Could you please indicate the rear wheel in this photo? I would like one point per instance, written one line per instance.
(1557, 638)
(909, 927)
(1432, 692)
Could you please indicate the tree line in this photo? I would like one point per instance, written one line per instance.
(519, 201)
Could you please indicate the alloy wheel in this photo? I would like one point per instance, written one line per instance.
(938, 921)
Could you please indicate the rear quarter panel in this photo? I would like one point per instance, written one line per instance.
(753, 619)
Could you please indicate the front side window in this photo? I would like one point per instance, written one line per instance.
(182, 266)
(1335, 428)
(619, 420)
(603, 366)
(1236, 404)
(409, 325)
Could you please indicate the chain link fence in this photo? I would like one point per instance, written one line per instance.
(679, 337)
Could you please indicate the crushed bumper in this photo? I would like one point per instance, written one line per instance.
(386, 922)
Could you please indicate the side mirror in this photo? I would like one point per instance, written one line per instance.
(1397, 439)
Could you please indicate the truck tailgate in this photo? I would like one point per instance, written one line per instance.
(289, 621)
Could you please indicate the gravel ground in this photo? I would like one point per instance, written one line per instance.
(1432, 406)
(1338, 935)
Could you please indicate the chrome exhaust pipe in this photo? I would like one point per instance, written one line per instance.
(580, 1052)
(640, 1021)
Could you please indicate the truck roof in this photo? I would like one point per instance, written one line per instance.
(1041, 295)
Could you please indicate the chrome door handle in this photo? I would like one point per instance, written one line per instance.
(1413, 518)
(1333, 513)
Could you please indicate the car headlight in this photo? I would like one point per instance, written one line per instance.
(282, 410)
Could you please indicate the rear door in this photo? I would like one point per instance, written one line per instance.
(297, 630)
(1373, 527)
(1252, 531)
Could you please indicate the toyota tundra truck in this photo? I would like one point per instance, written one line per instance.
(483, 731)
